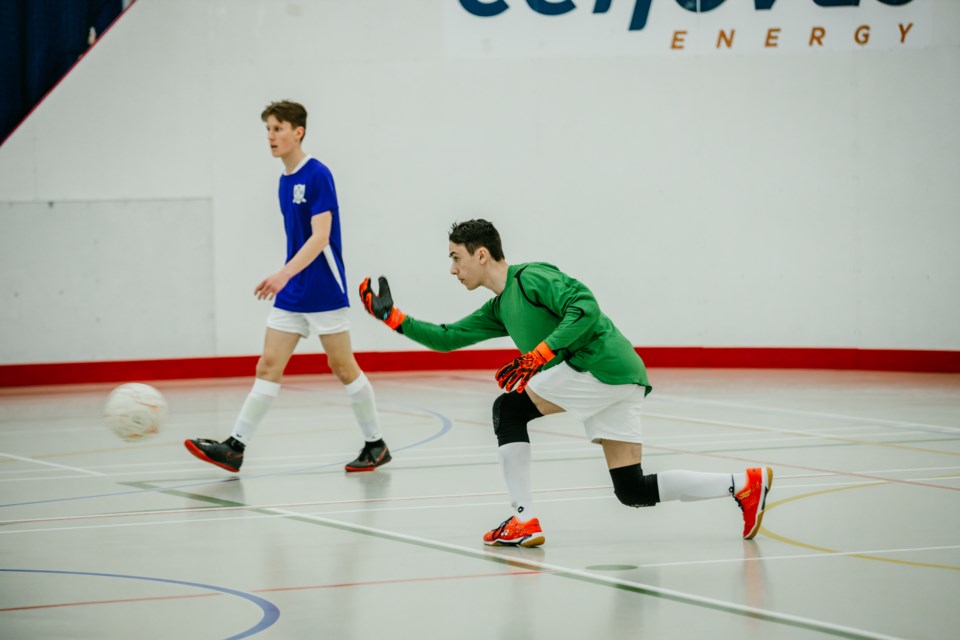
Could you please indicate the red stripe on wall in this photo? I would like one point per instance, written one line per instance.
(802, 358)
(16, 375)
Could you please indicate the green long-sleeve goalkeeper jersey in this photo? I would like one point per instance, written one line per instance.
(541, 303)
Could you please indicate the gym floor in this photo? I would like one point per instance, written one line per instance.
(861, 539)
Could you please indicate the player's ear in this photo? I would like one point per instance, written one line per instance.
(482, 255)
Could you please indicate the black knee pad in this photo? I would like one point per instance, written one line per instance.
(633, 488)
(511, 413)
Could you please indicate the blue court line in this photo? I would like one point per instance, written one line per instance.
(270, 611)
(445, 425)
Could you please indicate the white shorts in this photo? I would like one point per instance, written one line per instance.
(608, 411)
(309, 324)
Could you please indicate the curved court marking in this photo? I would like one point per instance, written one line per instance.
(583, 576)
(862, 556)
(312, 587)
(270, 611)
(446, 424)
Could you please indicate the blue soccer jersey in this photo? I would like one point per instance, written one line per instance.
(322, 286)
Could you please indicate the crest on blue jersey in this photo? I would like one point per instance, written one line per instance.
(299, 191)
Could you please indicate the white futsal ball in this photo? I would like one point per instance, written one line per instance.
(135, 411)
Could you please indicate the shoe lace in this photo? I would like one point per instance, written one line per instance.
(503, 525)
(367, 452)
(733, 492)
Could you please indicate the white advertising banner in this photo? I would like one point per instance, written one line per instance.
(530, 28)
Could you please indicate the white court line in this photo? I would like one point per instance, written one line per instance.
(312, 503)
(489, 458)
(481, 457)
(482, 449)
(799, 556)
(51, 464)
(780, 485)
(680, 399)
(283, 513)
(275, 515)
(738, 440)
(551, 448)
(679, 596)
(826, 475)
(855, 431)
(756, 427)
(799, 412)
(374, 501)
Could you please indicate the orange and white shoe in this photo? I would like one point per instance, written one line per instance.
(514, 533)
(752, 499)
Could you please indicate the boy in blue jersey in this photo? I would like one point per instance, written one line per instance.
(310, 297)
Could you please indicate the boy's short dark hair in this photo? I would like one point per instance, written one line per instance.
(287, 111)
(474, 234)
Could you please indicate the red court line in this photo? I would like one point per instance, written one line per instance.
(52, 373)
(80, 604)
(277, 589)
(405, 580)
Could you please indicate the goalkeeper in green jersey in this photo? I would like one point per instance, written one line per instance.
(574, 360)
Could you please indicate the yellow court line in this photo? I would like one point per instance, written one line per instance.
(862, 556)
(790, 432)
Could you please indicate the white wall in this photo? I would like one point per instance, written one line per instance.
(755, 198)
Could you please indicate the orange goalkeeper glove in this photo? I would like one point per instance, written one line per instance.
(381, 306)
(522, 369)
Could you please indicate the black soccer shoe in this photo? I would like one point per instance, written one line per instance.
(219, 453)
(371, 456)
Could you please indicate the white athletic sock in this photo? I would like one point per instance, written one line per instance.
(739, 481)
(515, 462)
(696, 485)
(364, 407)
(254, 408)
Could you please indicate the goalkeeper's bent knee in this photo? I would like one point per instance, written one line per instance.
(633, 488)
(511, 413)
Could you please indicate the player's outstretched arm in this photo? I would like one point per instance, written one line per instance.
(381, 306)
(482, 324)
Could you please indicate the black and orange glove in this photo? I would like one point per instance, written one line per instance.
(381, 306)
(522, 369)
